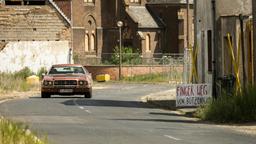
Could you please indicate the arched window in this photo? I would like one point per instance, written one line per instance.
(89, 1)
(92, 43)
(135, 1)
(148, 49)
(86, 43)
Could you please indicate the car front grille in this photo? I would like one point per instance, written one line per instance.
(65, 82)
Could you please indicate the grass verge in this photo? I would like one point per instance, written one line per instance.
(16, 133)
(159, 77)
(231, 109)
(16, 81)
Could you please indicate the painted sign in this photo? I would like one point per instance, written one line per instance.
(188, 95)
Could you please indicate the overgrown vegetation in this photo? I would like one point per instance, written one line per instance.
(129, 56)
(159, 77)
(42, 71)
(17, 133)
(227, 108)
(16, 81)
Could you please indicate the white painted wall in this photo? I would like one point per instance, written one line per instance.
(33, 54)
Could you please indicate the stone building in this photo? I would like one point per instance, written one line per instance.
(151, 27)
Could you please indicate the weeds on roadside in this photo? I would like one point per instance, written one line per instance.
(236, 108)
(17, 133)
(158, 77)
(15, 81)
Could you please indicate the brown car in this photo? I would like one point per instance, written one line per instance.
(67, 79)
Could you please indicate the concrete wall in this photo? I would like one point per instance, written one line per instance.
(227, 12)
(203, 24)
(33, 54)
(233, 7)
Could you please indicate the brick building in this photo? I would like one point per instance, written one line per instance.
(34, 34)
(152, 27)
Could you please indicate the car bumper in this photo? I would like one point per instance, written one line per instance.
(66, 90)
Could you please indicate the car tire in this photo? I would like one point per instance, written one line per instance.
(45, 95)
(88, 95)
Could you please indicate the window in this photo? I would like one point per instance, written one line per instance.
(89, 1)
(148, 49)
(209, 42)
(92, 43)
(86, 43)
(135, 1)
(66, 70)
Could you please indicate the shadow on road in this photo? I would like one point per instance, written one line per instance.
(162, 120)
(107, 103)
(57, 97)
(166, 114)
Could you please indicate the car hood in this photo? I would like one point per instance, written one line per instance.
(65, 77)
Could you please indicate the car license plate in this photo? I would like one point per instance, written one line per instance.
(66, 90)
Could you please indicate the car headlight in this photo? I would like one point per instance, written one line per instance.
(82, 82)
(48, 83)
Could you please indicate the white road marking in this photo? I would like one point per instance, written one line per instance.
(81, 107)
(88, 111)
(171, 137)
(3, 101)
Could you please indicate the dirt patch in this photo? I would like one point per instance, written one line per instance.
(247, 128)
(17, 95)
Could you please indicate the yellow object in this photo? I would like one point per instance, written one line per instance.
(33, 80)
(235, 64)
(103, 77)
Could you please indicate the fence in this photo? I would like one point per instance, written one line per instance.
(156, 67)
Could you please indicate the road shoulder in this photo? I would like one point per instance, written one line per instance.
(167, 100)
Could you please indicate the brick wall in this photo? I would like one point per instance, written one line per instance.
(65, 6)
(128, 71)
(32, 23)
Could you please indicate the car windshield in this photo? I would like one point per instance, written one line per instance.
(67, 70)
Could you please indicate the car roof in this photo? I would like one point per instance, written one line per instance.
(64, 65)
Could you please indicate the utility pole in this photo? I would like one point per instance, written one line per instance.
(187, 50)
(120, 25)
(188, 24)
(215, 52)
(241, 18)
(254, 40)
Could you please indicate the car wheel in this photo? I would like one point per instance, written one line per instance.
(45, 95)
(88, 95)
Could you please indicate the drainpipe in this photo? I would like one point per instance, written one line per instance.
(72, 34)
(215, 52)
(241, 18)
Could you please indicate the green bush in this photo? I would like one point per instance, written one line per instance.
(236, 108)
(17, 133)
(129, 56)
(42, 71)
(24, 73)
(157, 77)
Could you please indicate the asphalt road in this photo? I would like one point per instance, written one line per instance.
(115, 115)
